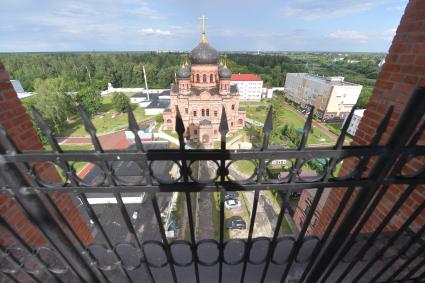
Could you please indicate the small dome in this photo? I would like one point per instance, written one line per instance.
(224, 72)
(203, 54)
(183, 72)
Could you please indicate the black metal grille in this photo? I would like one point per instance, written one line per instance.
(341, 254)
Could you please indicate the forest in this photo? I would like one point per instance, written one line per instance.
(124, 69)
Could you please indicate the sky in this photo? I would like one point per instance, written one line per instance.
(173, 25)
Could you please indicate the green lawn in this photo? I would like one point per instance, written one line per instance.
(286, 229)
(244, 166)
(66, 147)
(103, 121)
(283, 114)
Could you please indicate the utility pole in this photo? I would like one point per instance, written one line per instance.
(146, 82)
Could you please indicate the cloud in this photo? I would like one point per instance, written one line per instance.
(154, 32)
(349, 35)
(314, 9)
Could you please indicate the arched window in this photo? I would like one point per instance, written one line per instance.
(233, 106)
(240, 121)
(204, 78)
(197, 78)
(169, 121)
(203, 112)
(211, 78)
(208, 112)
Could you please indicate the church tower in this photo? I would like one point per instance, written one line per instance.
(202, 89)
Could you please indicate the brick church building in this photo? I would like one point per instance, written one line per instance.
(200, 93)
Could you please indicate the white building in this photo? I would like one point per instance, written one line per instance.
(355, 121)
(332, 97)
(17, 86)
(250, 86)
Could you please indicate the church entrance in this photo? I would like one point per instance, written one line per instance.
(205, 139)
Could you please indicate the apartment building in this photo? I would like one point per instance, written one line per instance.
(332, 97)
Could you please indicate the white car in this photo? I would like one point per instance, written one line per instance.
(232, 203)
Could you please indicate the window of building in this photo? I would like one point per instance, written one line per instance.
(208, 112)
(186, 111)
(204, 78)
(215, 132)
(195, 132)
(203, 113)
(215, 113)
(231, 124)
(194, 113)
(233, 106)
(197, 78)
(169, 121)
(211, 78)
(240, 121)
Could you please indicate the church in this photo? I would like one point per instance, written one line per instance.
(201, 91)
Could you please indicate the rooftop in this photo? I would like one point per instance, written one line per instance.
(245, 77)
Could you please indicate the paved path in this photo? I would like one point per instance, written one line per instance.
(254, 122)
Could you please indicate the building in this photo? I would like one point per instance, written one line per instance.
(250, 86)
(332, 97)
(17, 86)
(154, 103)
(203, 88)
(355, 121)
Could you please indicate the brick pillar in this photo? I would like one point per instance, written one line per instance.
(15, 119)
(403, 71)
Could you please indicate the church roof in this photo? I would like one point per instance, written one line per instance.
(245, 77)
(204, 53)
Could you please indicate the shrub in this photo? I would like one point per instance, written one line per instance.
(120, 101)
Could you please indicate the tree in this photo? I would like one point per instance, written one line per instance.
(52, 102)
(90, 99)
(120, 101)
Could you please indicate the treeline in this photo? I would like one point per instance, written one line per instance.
(121, 69)
(125, 69)
(271, 68)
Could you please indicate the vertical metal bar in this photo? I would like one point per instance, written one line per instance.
(401, 252)
(409, 275)
(180, 129)
(143, 163)
(391, 242)
(360, 168)
(298, 243)
(164, 237)
(9, 277)
(407, 263)
(18, 265)
(273, 242)
(39, 215)
(377, 232)
(106, 167)
(268, 127)
(29, 250)
(223, 129)
(69, 171)
(410, 118)
(364, 218)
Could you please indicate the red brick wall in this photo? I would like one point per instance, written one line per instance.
(403, 71)
(17, 122)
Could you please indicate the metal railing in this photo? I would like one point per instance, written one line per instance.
(304, 257)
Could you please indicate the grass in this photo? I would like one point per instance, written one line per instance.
(171, 133)
(285, 227)
(283, 114)
(103, 121)
(67, 147)
(245, 166)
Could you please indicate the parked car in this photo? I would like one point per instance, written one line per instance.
(235, 222)
(232, 203)
(231, 195)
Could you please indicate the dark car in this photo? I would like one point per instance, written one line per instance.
(235, 222)
(231, 195)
